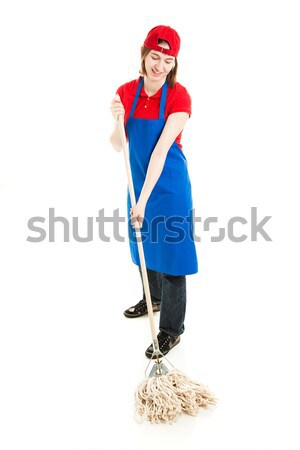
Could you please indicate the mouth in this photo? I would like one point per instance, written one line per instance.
(157, 74)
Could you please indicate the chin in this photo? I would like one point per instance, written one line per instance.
(157, 78)
(154, 78)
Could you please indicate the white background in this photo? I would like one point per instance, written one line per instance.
(70, 361)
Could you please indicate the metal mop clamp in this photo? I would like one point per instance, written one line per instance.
(159, 368)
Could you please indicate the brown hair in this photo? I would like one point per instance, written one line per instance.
(171, 77)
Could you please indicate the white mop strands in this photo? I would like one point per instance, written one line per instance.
(162, 399)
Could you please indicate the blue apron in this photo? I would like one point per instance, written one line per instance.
(167, 230)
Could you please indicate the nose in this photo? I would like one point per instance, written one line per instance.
(159, 65)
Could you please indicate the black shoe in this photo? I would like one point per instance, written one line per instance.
(165, 342)
(140, 309)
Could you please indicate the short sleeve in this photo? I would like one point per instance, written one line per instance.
(181, 101)
(120, 91)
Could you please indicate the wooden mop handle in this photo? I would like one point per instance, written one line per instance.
(137, 230)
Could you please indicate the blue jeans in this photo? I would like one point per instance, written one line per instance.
(170, 292)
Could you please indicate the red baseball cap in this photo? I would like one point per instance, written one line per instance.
(167, 34)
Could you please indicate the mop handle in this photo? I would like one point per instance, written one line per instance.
(137, 230)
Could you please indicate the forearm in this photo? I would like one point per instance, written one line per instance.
(115, 139)
(116, 108)
(174, 125)
(155, 168)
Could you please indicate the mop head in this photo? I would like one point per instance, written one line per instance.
(162, 399)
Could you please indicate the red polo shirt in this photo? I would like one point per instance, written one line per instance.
(178, 100)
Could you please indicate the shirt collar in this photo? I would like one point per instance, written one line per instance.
(156, 95)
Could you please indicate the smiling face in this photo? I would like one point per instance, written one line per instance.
(158, 65)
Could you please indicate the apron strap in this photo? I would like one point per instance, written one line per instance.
(136, 96)
(163, 99)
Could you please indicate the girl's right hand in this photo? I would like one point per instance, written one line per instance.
(117, 107)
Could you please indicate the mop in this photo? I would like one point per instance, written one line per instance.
(165, 392)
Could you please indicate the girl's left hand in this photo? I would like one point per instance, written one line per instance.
(137, 215)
